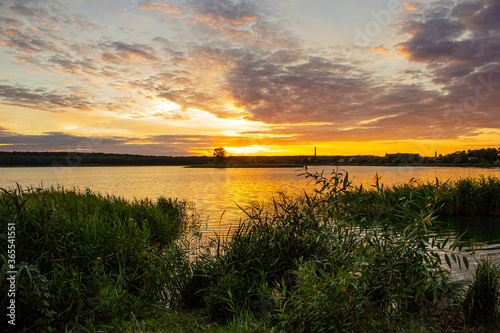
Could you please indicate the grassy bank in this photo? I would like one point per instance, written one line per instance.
(341, 258)
(473, 197)
(83, 259)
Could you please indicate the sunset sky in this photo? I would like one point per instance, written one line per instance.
(274, 77)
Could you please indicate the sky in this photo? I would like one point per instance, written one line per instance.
(274, 77)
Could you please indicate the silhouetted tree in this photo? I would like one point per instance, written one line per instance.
(219, 153)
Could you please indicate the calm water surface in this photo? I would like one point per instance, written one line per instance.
(217, 192)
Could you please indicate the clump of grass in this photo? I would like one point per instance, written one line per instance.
(474, 197)
(231, 272)
(84, 258)
(482, 300)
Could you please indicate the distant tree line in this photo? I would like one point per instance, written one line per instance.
(77, 159)
(484, 156)
(489, 155)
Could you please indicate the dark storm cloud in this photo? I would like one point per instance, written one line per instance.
(73, 66)
(117, 50)
(241, 21)
(22, 42)
(25, 11)
(51, 41)
(468, 34)
(42, 98)
(42, 41)
(232, 11)
(313, 89)
(169, 48)
(54, 140)
(11, 22)
(36, 8)
(57, 141)
(153, 145)
(460, 43)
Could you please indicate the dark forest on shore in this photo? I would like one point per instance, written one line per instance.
(480, 157)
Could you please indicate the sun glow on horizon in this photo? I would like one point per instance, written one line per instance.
(249, 150)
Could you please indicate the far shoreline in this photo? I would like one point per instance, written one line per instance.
(229, 166)
(220, 166)
(482, 158)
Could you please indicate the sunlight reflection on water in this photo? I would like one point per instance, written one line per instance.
(216, 193)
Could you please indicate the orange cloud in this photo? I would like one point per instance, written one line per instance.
(20, 46)
(46, 24)
(84, 24)
(163, 7)
(239, 21)
(20, 59)
(404, 51)
(410, 6)
(129, 53)
(58, 37)
(380, 50)
(224, 25)
(179, 60)
(110, 57)
(10, 32)
(12, 22)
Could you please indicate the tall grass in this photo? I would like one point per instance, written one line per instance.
(474, 197)
(84, 258)
(461, 197)
(482, 300)
(339, 259)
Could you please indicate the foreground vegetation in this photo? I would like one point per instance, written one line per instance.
(83, 258)
(345, 259)
(339, 258)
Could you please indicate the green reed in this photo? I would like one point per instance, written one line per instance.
(84, 258)
(474, 197)
(339, 259)
(461, 197)
(482, 300)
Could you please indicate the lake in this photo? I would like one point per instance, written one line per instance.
(217, 193)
